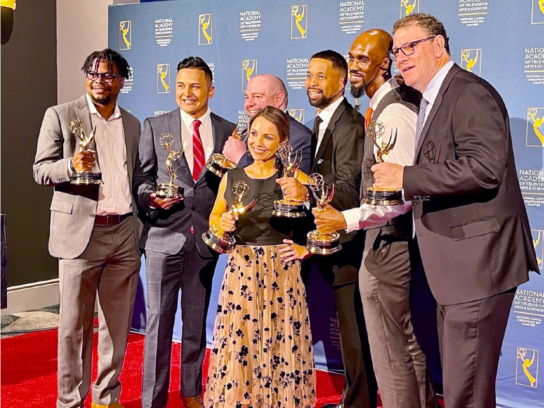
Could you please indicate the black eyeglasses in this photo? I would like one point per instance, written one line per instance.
(408, 48)
(107, 76)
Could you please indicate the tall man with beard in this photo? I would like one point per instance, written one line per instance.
(176, 256)
(94, 230)
(390, 252)
(269, 90)
(337, 153)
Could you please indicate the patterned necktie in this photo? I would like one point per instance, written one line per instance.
(421, 118)
(368, 116)
(315, 134)
(198, 150)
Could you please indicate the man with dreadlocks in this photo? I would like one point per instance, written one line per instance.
(93, 228)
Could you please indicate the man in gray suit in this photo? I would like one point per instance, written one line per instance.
(269, 90)
(176, 256)
(93, 230)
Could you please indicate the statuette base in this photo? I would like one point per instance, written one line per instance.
(86, 177)
(169, 190)
(323, 244)
(383, 196)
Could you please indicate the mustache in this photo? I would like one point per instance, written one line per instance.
(355, 72)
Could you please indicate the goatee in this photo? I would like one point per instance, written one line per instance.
(357, 92)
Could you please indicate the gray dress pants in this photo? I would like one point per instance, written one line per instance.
(108, 268)
(384, 282)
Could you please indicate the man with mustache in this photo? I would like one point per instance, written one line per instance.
(94, 230)
(337, 153)
(384, 277)
(176, 256)
(269, 90)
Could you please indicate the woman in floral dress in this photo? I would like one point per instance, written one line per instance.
(262, 353)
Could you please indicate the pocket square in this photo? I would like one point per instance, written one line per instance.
(320, 161)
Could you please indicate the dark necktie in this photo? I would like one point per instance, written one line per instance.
(198, 150)
(315, 135)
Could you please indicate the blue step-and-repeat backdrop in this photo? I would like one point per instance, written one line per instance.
(502, 41)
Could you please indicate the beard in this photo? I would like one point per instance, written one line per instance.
(358, 92)
(101, 100)
(321, 102)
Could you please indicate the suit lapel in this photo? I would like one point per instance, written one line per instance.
(216, 133)
(83, 114)
(436, 105)
(330, 129)
(129, 134)
(174, 128)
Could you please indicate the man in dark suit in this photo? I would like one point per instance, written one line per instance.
(269, 90)
(470, 219)
(337, 153)
(176, 256)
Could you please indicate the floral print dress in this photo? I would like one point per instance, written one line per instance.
(262, 353)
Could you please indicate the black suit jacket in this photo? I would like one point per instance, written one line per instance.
(340, 156)
(165, 231)
(300, 138)
(473, 231)
(339, 160)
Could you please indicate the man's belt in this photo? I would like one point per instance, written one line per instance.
(111, 219)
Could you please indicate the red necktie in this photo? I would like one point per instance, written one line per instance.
(198, 151)
(368, 116)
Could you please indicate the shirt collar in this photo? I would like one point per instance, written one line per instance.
(188, 119)
(382, 91)
(326, 114)
(432, 89)
(94, 111)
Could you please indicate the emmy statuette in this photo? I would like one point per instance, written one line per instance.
(285, 207)
(318, 243)
(170, 190)
(382, 196)
(77, 127)
(218, 164)
(224, 241)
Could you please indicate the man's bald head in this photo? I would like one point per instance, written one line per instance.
(265, 90)
(369, 62)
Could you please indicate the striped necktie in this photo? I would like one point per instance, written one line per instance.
(198, 151)
(421, 118)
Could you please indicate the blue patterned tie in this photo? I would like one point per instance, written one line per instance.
(421, 118)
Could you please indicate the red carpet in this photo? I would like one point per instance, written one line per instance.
(29, 373)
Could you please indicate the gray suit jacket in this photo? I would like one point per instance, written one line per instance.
(73, 207)
(165, 231)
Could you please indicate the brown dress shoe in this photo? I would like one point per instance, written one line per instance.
(192, 402)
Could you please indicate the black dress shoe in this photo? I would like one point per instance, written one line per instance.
(341, 405)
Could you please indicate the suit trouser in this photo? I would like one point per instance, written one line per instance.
(360, 390)
(165, 275)
(384, 282)
(109, 265)
(471, 336)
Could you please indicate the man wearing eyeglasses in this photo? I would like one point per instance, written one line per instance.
(468, 209)
(389, 252)
(94, 230)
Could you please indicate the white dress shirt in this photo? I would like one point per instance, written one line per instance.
(206, 135)
(399, 118)
(433, 87)
(326, 115)
(114, 194)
